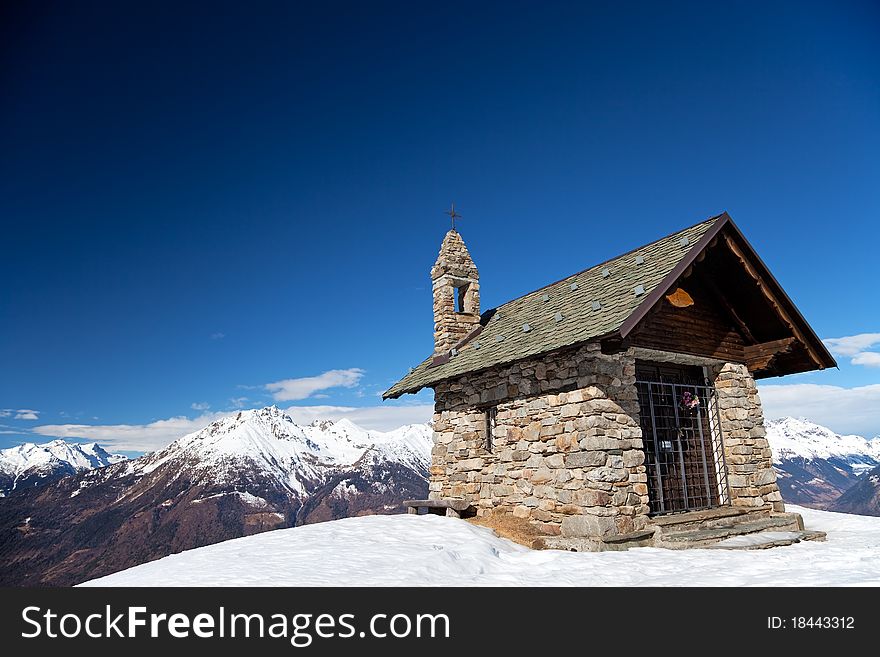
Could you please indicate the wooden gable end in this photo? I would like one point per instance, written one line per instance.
(701, 327)
(726, 305)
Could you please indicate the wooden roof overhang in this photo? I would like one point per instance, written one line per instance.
(775, 338)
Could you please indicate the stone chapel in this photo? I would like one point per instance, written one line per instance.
(616, 407)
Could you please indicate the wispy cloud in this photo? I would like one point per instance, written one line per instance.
(380, 418)
(131, 437)
(20, 413)
(217, 336)
(303, 388)
(867, 358)
(200, 406)
(238, 402)
(850, 345)
(856, 348)
(845, 410)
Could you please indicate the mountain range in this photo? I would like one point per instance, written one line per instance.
(247, 473)
(815, 466)
(30, 465)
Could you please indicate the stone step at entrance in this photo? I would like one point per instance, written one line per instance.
(450, 507)
(765, 539)
(724, 515)
(730, 527)
(704, 537)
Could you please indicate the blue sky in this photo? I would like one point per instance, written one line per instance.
(199, 203)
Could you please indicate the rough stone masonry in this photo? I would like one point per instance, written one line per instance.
(567, 451)
(456, 289)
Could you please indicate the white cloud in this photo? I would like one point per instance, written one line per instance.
(844, 410)
(217, 336)
(131, 437)
(856, 347)
(238, 402)
(303, 388)
(20, 413)
(867, 358)
(200, 406)
(380, 418)
(851, 345)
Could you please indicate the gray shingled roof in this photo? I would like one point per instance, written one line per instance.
(563, 313)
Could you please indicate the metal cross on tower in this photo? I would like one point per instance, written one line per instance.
(453, 215)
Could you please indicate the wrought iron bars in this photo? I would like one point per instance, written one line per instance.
(684, 451)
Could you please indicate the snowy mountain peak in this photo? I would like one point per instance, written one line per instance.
(269, 441)
(798, 438)
(29, 463)
(267, 416)
(80, 456)
(346, 425)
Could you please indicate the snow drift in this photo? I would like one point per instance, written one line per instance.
(405, 550)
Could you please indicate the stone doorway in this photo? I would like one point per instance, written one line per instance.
(684, 455)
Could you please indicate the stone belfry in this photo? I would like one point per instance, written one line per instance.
(456, 285)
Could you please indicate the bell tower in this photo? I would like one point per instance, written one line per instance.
(456, 286)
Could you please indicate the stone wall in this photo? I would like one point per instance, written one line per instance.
(751, 477)
(567, 449)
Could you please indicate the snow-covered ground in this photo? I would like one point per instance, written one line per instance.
(405, 550)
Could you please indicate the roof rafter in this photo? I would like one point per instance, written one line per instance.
(731, 311)
(774, 302)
